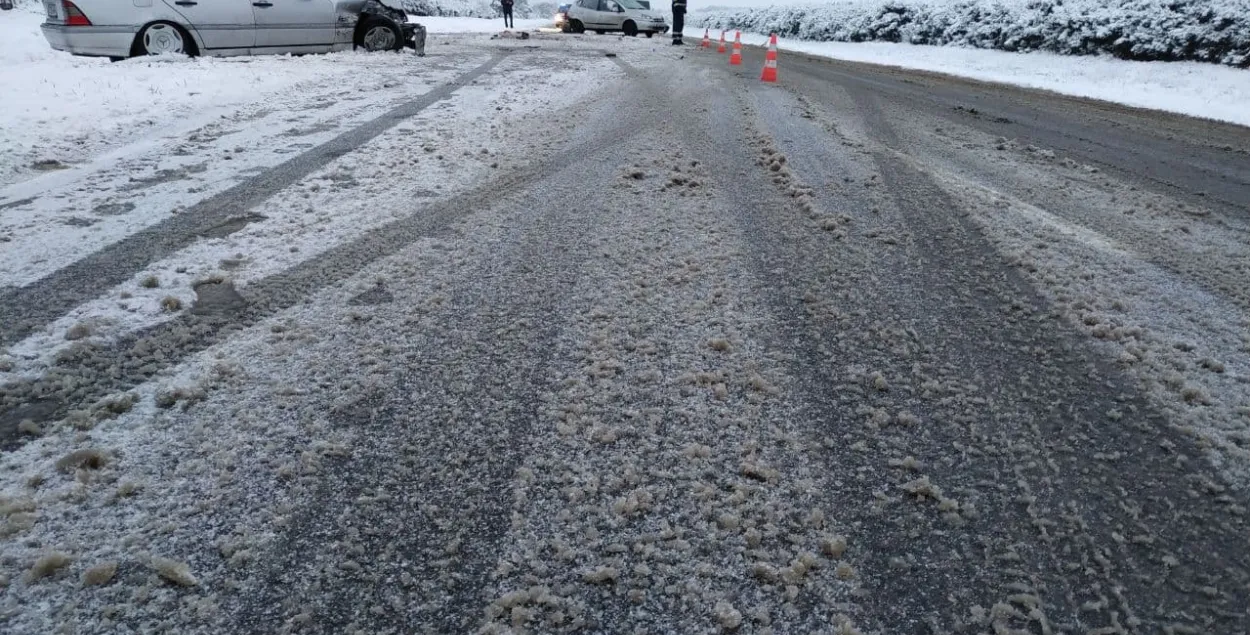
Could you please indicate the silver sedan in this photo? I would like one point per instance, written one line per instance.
(120, 29)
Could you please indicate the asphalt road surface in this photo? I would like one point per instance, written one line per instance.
(865, 351)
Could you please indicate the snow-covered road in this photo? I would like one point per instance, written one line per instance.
(1190, 88)
(538, 339)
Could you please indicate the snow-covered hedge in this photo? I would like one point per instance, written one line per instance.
(1215, 31)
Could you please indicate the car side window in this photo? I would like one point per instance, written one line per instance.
(590, 5)
(609, 6)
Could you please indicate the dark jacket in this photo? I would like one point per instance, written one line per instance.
(679, 5)
(506, 4)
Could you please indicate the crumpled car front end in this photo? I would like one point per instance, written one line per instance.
(375, 25)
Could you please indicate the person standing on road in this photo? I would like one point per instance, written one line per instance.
(506, 5)
(679, 20)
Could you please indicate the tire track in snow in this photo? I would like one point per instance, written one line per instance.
(427, 477)
(1160, 285)
(1077, 470)
(1035, 445)
(1169, 154)
(147, 184)
(28, 308)
(287, 437)
(859, 416)
(665, 489)
(1163, 230)
(87, 374)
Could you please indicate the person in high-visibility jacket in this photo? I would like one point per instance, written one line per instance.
(679, 20)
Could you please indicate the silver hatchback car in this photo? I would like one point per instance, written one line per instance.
(627, 16)
(126, 28)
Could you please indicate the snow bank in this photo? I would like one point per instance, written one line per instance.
(1215, 31)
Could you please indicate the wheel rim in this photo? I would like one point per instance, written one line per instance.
(161, 39)
(379, 38)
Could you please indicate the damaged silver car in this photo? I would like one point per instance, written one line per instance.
(118, 30)
(377, 26)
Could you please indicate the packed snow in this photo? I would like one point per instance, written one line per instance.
(61, 112)
(450, 146)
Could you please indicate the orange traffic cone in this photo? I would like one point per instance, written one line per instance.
(722, 43)
(770, 61)
(736, 58)
(706, 43)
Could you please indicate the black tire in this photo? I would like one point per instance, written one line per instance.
(378, 34)
(576, 26)
(630, 28)
(140, 46)
(599, 31)
(650, 33)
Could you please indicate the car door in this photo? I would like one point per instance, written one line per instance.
(221, 24)
(612, 14)
(588, 13)
(297, 26)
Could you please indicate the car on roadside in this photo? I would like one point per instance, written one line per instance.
(562, 17)
(118, 30)
(626, 16)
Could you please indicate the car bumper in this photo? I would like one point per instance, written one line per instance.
(414, 37)
(107, 41)
(659, 28)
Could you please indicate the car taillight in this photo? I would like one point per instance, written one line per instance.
(73, 16)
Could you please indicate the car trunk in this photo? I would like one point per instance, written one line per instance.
(56, 13)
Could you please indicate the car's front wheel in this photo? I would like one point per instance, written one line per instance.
(164, 38)
(379, 35)
(630, 28)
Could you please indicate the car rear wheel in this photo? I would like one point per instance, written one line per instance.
(164, 38)
(378, 35)
(650, 33)
(576, 26)
(630, 28)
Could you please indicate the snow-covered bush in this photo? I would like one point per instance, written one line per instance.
(1215, 31)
